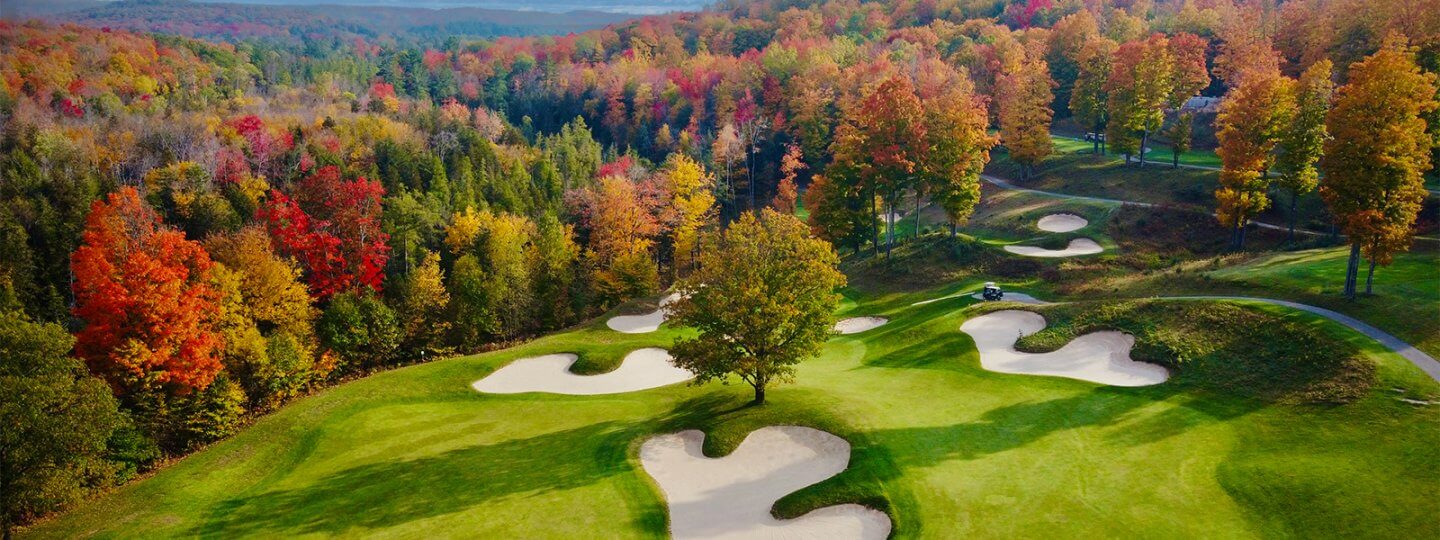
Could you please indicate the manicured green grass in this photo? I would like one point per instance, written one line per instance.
(1219, 346)
(945, 447)
(1079, 172)
(1159, 154)
(1405, 299)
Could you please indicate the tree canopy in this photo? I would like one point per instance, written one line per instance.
(763, 301)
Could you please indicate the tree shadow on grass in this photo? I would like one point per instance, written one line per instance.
(379, 495)
(1015, 426)
(928, 338)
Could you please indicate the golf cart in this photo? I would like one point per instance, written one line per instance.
(992, 292)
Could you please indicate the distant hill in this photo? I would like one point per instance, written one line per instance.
(233, 21)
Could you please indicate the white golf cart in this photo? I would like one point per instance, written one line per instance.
(992, 292)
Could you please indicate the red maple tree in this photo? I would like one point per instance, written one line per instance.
(145, 294)
(332, 227)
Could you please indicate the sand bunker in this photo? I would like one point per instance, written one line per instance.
(1077, 247)
(1061, 223)
(731, 497)
(640, 370)
(855, 325)
(640, 324)
(1101, 357)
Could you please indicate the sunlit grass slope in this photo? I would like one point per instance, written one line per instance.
(946, 448)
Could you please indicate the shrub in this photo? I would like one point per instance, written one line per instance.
(360, 329)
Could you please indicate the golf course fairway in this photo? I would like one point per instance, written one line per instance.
(943, 447)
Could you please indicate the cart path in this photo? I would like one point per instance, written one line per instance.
(1004, 184)
(1421, 359)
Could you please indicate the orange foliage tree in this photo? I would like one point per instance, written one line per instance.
(1374, 163)
(147, 299)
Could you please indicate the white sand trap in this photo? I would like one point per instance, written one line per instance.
(731, 497)
(640, 324)
(1014, 297)
(855, 325)
(1061, 223)
(1101, 357)
(1077, 247)
(642, 369)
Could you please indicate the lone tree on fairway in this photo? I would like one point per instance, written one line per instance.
(1374, 164)
(762, 301)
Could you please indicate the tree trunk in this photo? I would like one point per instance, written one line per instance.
(1351, 269)
(759, 393)
(1176, 161)
(1096, 140)
(952, 229)
(874, 229)
(1144, 138)
(889, 229)
(750, 173)
(1370, 277)
(1294, 196)
(917, 214)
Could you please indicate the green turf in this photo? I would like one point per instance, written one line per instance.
(1160, 154)
(948, 449)
(1405, 299)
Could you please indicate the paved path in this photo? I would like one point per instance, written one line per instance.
(1424, 361)
(1420, 358)
(1007, 185)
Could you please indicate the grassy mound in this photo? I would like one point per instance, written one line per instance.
(1221, 346)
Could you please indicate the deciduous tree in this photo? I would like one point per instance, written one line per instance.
(786, 194)
(959, 148)
(1089, 98)
(267, 318)
(1302, 142)
(762, 301)
(1024, 98)
(54, 421)
(146, 297)
(1374, 163)
(876, 142)
(1251, 120)
(332, 226)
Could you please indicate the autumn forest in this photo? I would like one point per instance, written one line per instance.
(197, 231)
